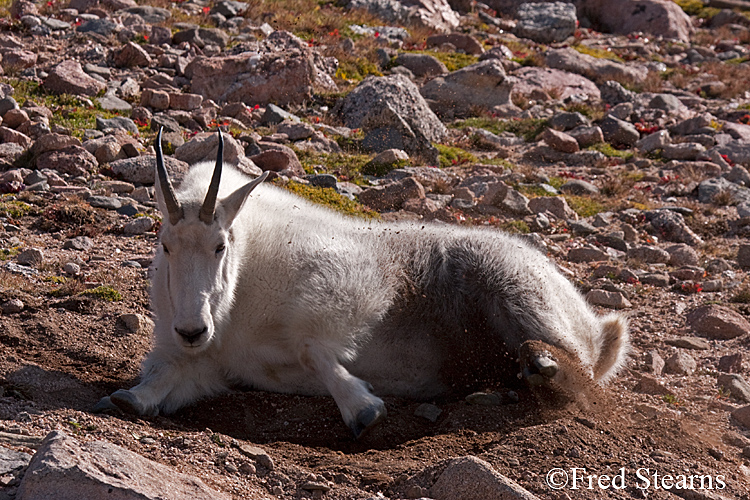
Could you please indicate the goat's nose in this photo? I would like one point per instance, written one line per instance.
(191, 335)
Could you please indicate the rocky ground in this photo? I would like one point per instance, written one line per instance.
(614, 134)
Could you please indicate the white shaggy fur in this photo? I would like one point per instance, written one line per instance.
(283, 295)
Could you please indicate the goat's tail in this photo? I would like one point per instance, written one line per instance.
(614, 347)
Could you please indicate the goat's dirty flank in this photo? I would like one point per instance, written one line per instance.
(374, 249)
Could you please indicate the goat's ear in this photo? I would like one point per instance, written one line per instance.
(233, 203)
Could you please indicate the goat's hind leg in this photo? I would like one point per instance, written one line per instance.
(360, 409)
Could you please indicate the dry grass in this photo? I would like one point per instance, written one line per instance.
(734, 76)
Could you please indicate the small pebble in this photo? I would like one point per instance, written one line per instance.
(72, 268)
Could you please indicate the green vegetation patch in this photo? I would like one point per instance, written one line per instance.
(104, 292)
(528, 128)
(598, 53)
(584, 206)
(697, 8)
(330, 198)
(14, 208)
(7, 253)
(357, 69)
(452, 155)
(608, 150)
(515, 227)
(68, 111)
(350, 166)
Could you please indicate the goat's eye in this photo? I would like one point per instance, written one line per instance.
(220, 249)
(164, 247)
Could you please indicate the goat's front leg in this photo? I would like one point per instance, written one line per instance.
(167, 383)
(360, 409)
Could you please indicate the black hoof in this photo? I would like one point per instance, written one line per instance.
(539, 369)
(105, 405)
(127, 402)
(367, 419)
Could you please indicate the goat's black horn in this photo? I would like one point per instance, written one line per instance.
(209, 203)
(170, 200)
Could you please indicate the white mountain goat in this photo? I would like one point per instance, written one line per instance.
(255, 286)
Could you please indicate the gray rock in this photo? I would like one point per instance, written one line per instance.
(579, 187)
(12, 306)
(671, 226)
(117, 123)
(140, 169)
(481, 85)
(395, 115)
(11, 460)
(105, 202)
(470, 477)
(72, 160)
(717, 322)
(565, 121)
(137, 323)
(104, 27)
(731, 363)
(434, 14)
(68, 77)
(684, 151)
(587, 254)
(546, 22)
(428, 411)
(83, 243)
(560, 141)
(709, 189)
(72, 268)
(30, 257)
(138, 225)
(655, 279)
(151, 15)
(692, 343)
(421, 65)
(654, 362)
(274, 115)
(649, 254)
(556, 205)
(258, 454)
(682, 255)
(650, 385)
(619, 132)
(655, 141)
(604, 298)
(587, 135)
(742, 415)
(736, 385)
(205, 145)
(463, 42)
(613, 93)
(597, 69)
(680, 363)
(393, 195)
(65, 469)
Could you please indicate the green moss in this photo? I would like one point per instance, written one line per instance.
(451, 155)
(697, 8)
(598, 53)
(452, 60)
(7, 253)
(381, 169)
(357, 69)
(583, 206)
(608, 150)
(348, 166)
(103, 292)
(14, 208)
(56, 280)
(528, 128)
(330, 198)
(69, 112)
(516, 227)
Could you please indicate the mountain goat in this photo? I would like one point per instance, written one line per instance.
(255, 286)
